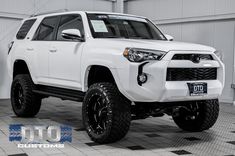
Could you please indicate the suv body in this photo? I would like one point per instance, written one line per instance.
(67, 54)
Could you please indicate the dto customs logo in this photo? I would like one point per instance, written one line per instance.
(40, 136)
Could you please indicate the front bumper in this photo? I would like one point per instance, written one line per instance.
(157, 89)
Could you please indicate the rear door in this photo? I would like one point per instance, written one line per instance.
(64, 56)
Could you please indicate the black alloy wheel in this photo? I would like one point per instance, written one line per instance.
(106, 113)
(24, 102)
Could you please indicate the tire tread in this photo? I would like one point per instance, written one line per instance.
(32, 102)
(121, 117)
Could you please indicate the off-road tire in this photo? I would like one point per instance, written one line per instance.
(118, 113)
(30, 103)
(208, 112)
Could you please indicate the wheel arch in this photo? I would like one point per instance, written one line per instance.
(108, 72)
(20, 67)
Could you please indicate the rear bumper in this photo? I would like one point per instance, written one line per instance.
(157, 89)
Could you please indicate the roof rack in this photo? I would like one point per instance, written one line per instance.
(50, 12)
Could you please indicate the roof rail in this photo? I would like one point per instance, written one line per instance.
(50, 12)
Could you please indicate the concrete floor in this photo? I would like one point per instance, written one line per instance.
(153, 136)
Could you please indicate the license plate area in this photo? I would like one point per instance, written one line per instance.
(197, 89)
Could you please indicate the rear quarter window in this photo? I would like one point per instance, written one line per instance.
(24, 29)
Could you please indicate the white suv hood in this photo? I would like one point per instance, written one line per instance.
(155, 45)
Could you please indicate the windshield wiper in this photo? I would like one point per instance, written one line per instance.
(139, 37)
(113, 37)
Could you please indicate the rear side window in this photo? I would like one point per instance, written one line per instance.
(24, 29)
(46, 30)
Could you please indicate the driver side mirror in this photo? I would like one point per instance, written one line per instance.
(72, 34)
(169, 37)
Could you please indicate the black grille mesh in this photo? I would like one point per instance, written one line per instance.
(189, 56)
(191, 74)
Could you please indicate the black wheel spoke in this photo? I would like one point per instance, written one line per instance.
(19, 96)
(97, 114)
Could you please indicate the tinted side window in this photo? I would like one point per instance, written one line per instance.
(69, 22)
(24, 29)
(47, 28)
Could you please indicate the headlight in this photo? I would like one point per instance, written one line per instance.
(140, 55)
(219, 55)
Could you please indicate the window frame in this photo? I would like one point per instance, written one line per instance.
(33, 22)
(84, 35)
(57, 27)
(38, 28)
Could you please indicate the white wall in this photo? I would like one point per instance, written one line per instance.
(36, 6)
(7, 29)
(11, 13)
(209, 22)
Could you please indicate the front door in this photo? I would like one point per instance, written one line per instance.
(64, 54)
(40, 46)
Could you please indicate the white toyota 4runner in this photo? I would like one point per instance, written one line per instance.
(120, 66)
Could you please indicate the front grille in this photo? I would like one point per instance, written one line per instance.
(191, 56)
(191, 74)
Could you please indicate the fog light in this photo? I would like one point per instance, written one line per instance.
(143, 78)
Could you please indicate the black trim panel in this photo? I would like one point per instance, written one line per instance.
(140, 71)
(64, 94)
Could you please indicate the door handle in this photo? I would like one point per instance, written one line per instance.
(30, 49)
(53, 50)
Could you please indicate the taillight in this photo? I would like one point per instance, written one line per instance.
(10, 47)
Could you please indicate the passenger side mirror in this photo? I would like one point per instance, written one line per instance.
(72, 34)
(169, 37)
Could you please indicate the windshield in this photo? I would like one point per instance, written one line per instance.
(119, 26)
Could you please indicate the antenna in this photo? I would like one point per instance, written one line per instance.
(50, 12)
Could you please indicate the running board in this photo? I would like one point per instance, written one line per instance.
(64, 94)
